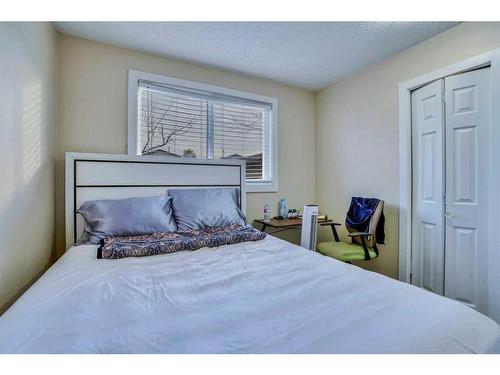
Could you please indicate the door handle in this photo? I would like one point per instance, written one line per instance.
(448, 215)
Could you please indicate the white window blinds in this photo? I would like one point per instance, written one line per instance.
(183, 122)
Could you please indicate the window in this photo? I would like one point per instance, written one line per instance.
(178, 118)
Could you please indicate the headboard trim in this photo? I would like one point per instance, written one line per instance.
(109, 171)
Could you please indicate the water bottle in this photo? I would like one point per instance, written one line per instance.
(267, 213)
(282, 208)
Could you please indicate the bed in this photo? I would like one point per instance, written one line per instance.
(260, 297)
(268, 296)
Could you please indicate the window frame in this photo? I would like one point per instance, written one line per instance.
(133, 80)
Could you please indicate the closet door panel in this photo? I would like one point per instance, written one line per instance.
(427, 214)
(467, 187)
(462, 265)
(465, 165)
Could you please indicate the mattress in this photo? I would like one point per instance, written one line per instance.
(268, 296)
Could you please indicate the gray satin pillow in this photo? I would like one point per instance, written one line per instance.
(202, 208)
(126, 217)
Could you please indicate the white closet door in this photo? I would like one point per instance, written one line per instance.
(428, 189)
(467, 187)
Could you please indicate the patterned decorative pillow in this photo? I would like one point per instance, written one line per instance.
(171, 242)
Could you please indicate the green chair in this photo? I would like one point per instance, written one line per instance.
(363, 245)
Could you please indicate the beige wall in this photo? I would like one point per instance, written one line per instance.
(93, 115)
(357, 128)
(27, 125)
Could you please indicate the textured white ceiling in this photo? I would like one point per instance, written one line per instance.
(310, 55)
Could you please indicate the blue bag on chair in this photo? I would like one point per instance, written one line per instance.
(359, 216)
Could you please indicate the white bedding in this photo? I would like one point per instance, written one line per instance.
(261, 297)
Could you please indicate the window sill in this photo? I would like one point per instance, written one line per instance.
(262, 188)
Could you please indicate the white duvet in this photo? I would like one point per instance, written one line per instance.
(255, 297)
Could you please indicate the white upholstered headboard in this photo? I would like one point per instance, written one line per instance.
(105, 176)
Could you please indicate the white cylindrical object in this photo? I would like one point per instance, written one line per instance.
(267, 213)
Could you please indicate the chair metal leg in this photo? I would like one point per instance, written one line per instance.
(365, 248)
(375, 248)
(335, 235)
